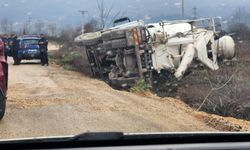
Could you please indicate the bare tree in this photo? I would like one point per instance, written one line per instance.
(240, 16)
(67, 34)
(52, 28)
(10, 27)
(91, 26)
(239, 24)
(215, 88)
(4, 25)
(25, 29)
(39, 25)
(106, 14)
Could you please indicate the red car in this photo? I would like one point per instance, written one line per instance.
(3, 80)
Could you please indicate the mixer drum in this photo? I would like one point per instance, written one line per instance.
(226, 47)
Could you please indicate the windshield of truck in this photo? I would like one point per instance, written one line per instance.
(166, 66)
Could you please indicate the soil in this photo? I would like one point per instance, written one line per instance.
(51, 101)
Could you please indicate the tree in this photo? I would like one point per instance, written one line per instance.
(24, 29)
(39, 25)
(105, 14)
(239, 24)
(91, 26)
(5, 25)
(10, 27)
(68, 34)
(52, 28)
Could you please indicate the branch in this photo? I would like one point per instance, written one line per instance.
(215, 89)
(107, 14)
(115, 17)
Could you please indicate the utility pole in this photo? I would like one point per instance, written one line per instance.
(195, 12)
(182, 9)
(83, 12)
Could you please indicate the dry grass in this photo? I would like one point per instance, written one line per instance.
(71, 58)
(230, 101)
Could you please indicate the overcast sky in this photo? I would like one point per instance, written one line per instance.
(66, 12)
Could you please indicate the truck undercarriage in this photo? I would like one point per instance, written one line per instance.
(124, 54)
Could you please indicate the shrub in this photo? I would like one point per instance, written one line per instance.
(71, 58)
(141, 86)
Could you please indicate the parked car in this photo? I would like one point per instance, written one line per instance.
(3, 80)
(29, 49)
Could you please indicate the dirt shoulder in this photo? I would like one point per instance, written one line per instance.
(50, 101)
(217, 122)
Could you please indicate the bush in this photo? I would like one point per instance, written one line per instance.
(230, 101)
(71, 58)
(141, 86)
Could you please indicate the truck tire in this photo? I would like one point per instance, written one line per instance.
(2, 106)
(10, 53)
(89, 39)
(114, 34)
(17, 61)
(114, 44)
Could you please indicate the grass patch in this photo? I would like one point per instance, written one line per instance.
(71, 60)
(141, 86)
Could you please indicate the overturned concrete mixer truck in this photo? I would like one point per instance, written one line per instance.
(132, 51)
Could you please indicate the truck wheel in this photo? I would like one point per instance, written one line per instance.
(114, 34)
(2, 106)
(120, 43)
(17, 61)
(10, 53)
(89, 39)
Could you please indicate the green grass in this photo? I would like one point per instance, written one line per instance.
(67, 60)
(141, 86)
